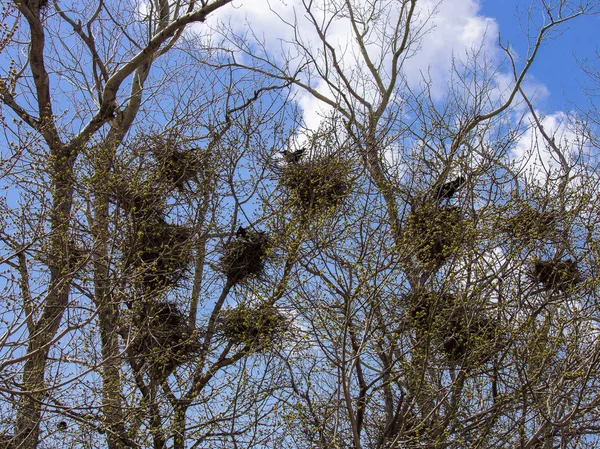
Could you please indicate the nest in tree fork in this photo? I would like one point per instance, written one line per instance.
(257, 327)
(244, 257)
(175, 164)
(164, 338)
(436, 231)
(317, 184)
(141, 202)
(532, 224)
(463, 335)
(468, 336)
(559, 275)
(161, 252)
(427, 309)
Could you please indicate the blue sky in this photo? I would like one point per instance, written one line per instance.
(452, 30)
(459, 25)
(556, 66)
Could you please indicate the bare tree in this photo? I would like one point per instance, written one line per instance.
(125, 167)
(453, 304)
(396, 277)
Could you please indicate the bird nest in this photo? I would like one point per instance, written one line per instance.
(561, 275)
(437, 232)
(164, 338)
(462, 335)
(317, 184)
(244, 257)
(469, 337)
(140, 201)
(176, 165)
(427, 309)
(531, 224)
(257, 327)
(160, 253)
(77, 255)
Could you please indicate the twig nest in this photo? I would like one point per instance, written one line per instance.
(532, 224)
(77, 255)
(463, 335)
(468, 336)
(244, 257)
(437, 232)
(427, 309)
(140, 201)
(317, 184)
(176, 164)
(161, 252)
(560, 275)
(164, 338)
(257, 327)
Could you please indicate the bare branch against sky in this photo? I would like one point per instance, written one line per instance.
(299, 224)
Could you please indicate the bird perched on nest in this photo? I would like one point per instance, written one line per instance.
(447, 190)
(292, 157)
(242, 232)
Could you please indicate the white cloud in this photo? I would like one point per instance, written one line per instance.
(455, 30)
(451, 27)
(535, 156)
(450, 31)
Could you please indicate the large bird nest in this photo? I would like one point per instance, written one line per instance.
(463, 335)
(469, 337)
(427, 309)
(164, 338)
(437, 232)
(532, 224)
(77, 255)
(141, 201)
(177, 165)
(244, 257)
(256, 326)
(561, 275)
(160, 252)
(317, 184)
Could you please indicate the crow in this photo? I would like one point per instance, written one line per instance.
(242, 232)
(447, 190)
(292, 157)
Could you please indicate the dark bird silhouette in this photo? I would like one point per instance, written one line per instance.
(292, 157)
(62, 426)
(447, 190)
(242, 232)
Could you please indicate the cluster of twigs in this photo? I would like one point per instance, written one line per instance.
(558, 275)
(437, 232)
(541, 225)
(176, 164)
(257, 327)
(530, 224)
(164, 338)
(464, 335)
(317, 183)
(158, 251)
(244, 257)
(161, 253)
